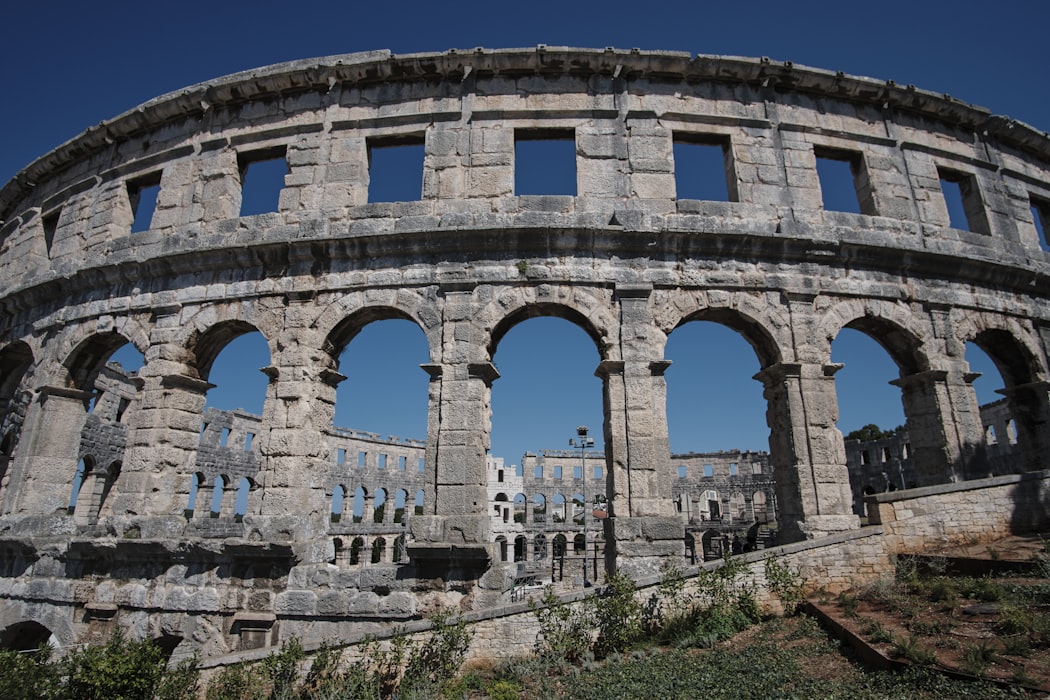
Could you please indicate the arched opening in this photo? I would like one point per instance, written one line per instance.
(520, 505)
(539, 548)
(713, 402)
(871, 411)
(385, 392)
(217, 493)
(1014, 411)
(90, 400)
(196, 482)
(338, 496)
(26, 636)
(244, 489)
(520, 548)
(539, 509)
(379, 510)
(84, 473)
(558, 507)
(501, 544)
(15, 362)
(399, 505)
(356, 546)
(378, 550)
(419, 502)
(360, 496)
(546, 356)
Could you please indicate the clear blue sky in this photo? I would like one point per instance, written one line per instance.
(70, 65)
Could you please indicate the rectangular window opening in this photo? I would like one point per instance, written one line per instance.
(1041, 218)
(577, 472)
(682, 471)
(50, 224)
(361, 458)
(142, 195)
(598, 472)
(248, 437)
(709, 470)
(962, 197)
(395, 169)
(224, 438)
(732, 469)
(420, 466)
(340, 456)
(557, 472)
(703, 168)
(402, 463)
(382, 461)
(545, 162)
(262, 179)
(538, 471)
(844, 182)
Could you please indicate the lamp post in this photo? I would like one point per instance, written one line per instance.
(583, 442)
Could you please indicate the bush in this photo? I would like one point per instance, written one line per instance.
(565, 630)
(785, 584)
(618, 615)
(28, 675)
(121, 669)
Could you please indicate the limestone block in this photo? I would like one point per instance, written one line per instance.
(295, 603)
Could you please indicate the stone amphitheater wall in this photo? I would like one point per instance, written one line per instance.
(623, 256)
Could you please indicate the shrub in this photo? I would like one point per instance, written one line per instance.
(785, 584)
(618, 615)
(119, 669)
(565, 630)
(235, 682)
(434, 662)
(28, 675)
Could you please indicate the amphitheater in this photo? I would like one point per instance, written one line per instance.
(629, 255)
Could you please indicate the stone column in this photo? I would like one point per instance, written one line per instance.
(1030, 409)
(297, 413)
(807, 452)
(46, 463)
(943, 425)
(642, 530)
(455, 531)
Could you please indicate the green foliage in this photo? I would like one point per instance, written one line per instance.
(179, 683)
(876, 633)
(522, 267)
(786, 584)
(976, 659)
(27, 675)
(503, 690)
(871, 432)
(618, 615)
(848, 603)
(118, 670)
(235, 682)
(913, 650)
(565, 630)
(433, 663)
(282, 669)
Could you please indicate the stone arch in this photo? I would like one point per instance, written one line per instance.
(352, 321)
(891, 324)
(205, 345)
(15, 360)
(595, 321)
(1015, 352)
(55, 619)
(754, 321)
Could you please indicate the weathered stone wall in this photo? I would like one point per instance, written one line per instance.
(624, 257)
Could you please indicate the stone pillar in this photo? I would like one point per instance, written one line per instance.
(297, 413)
(1030, 409)
(642, 530)
(455, 531)
(944, 425)
(807, 452)
(44, 467)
